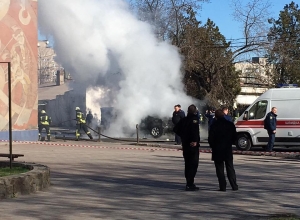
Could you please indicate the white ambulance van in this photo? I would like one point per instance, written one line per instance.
(250, 125)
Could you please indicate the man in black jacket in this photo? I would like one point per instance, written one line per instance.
(222, 135)
(270, 126)
(89, 119)
(188, 130)
(178, 114)
(210, 115)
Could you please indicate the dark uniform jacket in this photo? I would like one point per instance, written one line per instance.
(177, 116)
(80, 119)
(222, 135)
(188, 130)
(210, 117)
(44, 119)
(270, 122)
(89, 118)
(228, 118)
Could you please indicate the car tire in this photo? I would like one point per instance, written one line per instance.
(243, 142)
(156, 131)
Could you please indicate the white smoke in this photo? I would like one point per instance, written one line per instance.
(102, 44)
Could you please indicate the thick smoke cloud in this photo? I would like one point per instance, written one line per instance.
(102, 44)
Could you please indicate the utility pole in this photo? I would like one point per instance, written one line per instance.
(9, 113)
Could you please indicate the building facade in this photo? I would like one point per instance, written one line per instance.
(48, 68)
(18, 45)
(254, 79)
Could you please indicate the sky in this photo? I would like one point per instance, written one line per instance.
(220, 12)
(221, 15)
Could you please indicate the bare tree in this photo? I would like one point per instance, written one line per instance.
(165, 15)
(253, 16)
(208, 56)
(46, 64)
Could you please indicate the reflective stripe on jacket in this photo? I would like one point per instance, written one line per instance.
(80, 117)
(45, 120)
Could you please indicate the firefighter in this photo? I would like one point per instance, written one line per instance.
(81, 124)
(44, 122)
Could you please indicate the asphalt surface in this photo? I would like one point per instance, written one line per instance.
(92, 180)
(166, 140)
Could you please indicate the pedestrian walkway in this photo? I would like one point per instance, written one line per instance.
(118, 181)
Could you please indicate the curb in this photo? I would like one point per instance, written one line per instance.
(37, 179)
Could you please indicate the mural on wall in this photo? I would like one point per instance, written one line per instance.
(18, 44)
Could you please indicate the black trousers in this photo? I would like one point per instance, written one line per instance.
(177, 139)
(84, 128)
(47, 128)
(230, 174)
(191, 162)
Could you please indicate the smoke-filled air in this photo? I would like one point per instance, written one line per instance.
(110, 52)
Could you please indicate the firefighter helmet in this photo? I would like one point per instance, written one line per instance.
(43, 111)
(77, 108)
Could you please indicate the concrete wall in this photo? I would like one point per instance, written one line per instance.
(62, 108)
(18, 44)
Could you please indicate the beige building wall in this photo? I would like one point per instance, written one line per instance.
(254, 80)
(18, 45)
(47, 66)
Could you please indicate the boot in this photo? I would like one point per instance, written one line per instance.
(90, 136)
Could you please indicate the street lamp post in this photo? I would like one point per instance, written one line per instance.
(9, 113)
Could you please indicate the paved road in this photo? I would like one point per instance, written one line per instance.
(115, 181)
(166, 139)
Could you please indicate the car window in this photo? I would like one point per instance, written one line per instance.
(258, 110)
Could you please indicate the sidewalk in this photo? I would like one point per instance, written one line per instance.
(120, 181)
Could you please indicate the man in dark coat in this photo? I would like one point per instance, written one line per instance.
(210, 115)
(89, 119)
(270, 126)
(222, 135)
(226, 116)
(188, 130)
(178, 114)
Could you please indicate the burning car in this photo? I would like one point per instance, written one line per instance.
(152, 125)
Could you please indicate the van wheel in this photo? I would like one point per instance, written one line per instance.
(243, 142)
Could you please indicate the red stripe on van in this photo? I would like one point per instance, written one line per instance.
(260, 123)
(251, 126)
(289, 122)
(250, 123)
